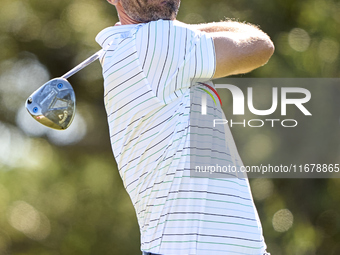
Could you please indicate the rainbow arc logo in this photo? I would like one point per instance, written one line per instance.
(204, 97)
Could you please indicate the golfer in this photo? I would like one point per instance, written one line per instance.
(156, 70)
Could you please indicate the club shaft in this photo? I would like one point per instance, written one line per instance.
(83, 64)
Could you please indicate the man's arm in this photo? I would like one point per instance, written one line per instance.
(240, 48)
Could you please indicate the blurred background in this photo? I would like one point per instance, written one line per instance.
(60, 192)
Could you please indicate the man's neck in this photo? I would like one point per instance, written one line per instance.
(123, 17)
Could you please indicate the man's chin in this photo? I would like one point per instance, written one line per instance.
(153, 14)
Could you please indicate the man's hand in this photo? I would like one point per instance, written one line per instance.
(239, 47)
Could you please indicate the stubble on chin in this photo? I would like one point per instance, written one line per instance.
(151, 12)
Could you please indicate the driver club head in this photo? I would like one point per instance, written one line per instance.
(53, 104)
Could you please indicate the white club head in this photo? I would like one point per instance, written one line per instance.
(53, 104)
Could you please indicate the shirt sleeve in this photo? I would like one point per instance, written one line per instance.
(204, 55)
(172, 56)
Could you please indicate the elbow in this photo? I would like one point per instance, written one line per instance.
(267, 50)
(263, 49)
(270, 48)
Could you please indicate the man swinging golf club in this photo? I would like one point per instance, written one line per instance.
(155, 71)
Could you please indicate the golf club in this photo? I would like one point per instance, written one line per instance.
(54, 103)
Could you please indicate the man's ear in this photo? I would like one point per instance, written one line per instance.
(113, 2)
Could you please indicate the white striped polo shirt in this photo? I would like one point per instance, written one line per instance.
(153, 104)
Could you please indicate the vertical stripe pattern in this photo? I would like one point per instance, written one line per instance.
(153, 106)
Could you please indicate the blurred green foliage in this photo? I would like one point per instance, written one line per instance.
(60, 192)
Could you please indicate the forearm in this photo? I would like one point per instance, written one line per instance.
(241, 30)
(238, 31)
(239, 47)
(223, 26)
